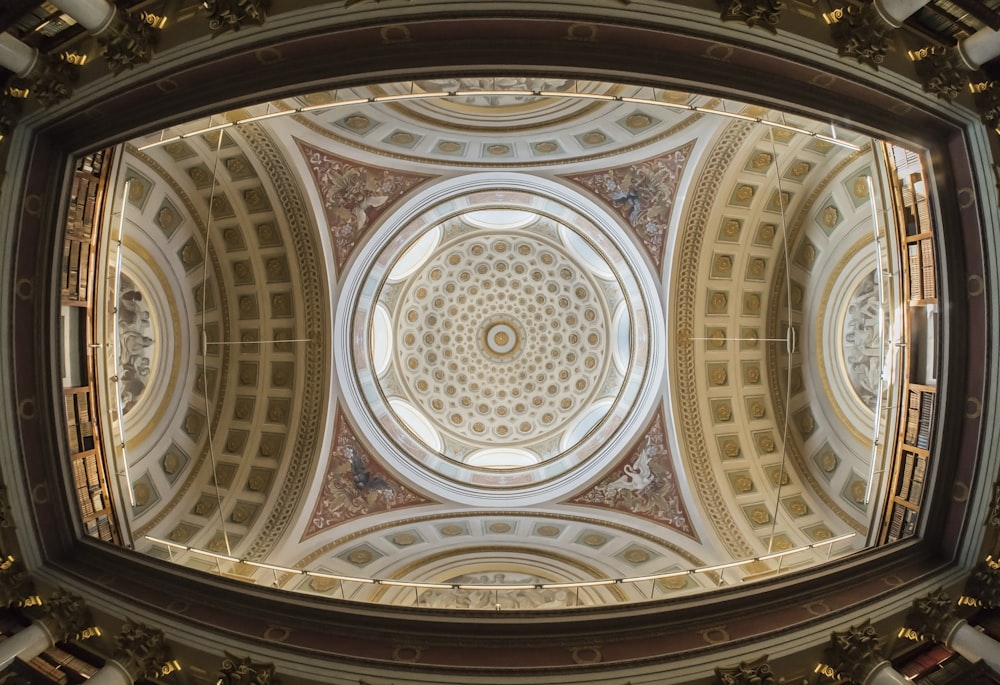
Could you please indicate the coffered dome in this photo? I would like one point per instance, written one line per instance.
(503, 340)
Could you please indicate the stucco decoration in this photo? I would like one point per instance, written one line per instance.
(355, 484)
(547, 598)
(135, 342)
(862, 348)
(642, 194)
(354, 196)
(644, 483)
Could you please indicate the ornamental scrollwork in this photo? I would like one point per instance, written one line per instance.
(244, 671)
(982, 589)
(128, 41)
(763, 13)
(232, 15)
(64, 614)
(859, 31)
(756, 672)
(855, 652)
(987, 97)
(933, 616)
(141, 651)
(942, 71)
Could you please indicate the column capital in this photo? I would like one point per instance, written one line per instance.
(854, 653)
(987, 97)
(16, 583)
(63, 614)
(763, 13)
(861, 32)
(231, 15)
(982, 588)
(933, 616)
(756, 672)
(128, 40)
(244, 671)
(140, 650)
(943, 71)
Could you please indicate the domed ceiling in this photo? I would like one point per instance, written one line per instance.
(499, 342)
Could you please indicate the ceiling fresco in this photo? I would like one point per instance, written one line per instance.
(525, 333)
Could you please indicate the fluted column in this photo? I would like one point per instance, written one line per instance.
(16, 56)
(93, 15)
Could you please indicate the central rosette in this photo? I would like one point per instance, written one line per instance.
(502, 338)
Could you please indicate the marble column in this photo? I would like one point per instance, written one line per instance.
(93, 15)
(979, 48)
(973, 645)
(16, 56)
(27, 644)
(112, 673)
(895, 12)
(885, 674)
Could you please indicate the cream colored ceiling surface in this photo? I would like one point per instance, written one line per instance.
(505, 331)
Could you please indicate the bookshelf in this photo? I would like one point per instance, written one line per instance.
(918, 398)
(934, 664)
(88, 470)
(56, 665)
(79, 244)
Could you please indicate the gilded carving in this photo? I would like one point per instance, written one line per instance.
(140, 650)
(942, 71)
(859, 31)
(231, 15)
(933, 616)
(756, 672)
(763, 13)
(128, 40)
(244, 671)
(987, 98)
(855, 652)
